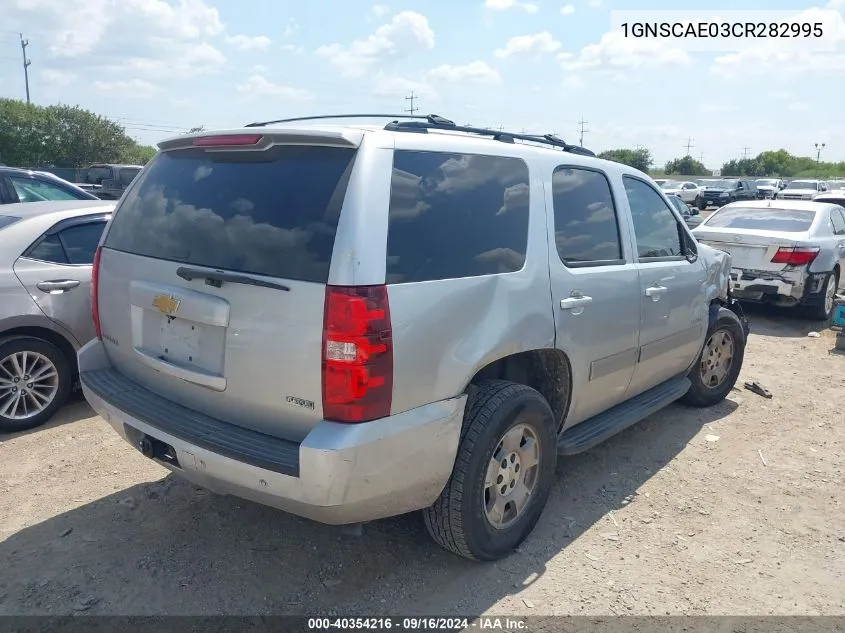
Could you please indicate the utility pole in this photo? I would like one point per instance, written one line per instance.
(26, 63)
(582, 129)
(745, 151)
(701, 158)
(689, 146)
(819, 148)
(411, 98)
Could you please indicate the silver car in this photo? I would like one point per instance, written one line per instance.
(353, 321)
(784, 252)
(46, 252)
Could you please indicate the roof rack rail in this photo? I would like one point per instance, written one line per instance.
(431, 118)
(434, 122)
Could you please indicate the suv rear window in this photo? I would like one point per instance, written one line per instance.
(272, 212)
(456, 215)
(789, 220)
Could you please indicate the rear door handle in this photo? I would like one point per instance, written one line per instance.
(655, 292)
(575, 302)
(59, 285)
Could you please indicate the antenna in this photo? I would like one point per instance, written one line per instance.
(582, 129)
(26, 63)
(411, 98)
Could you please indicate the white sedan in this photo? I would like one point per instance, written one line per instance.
(686, 191)
(784, 252)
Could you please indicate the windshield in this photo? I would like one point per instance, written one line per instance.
(767, 182)
(802, 184)
(96, 175)
(671, 184)
(766, 219)
(719, 184)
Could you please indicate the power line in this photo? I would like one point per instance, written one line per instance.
(581, 131)
(689, 145)
(26, 63)
(411, 98)
(745, 151)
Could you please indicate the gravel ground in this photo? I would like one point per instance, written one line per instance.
(733, 510)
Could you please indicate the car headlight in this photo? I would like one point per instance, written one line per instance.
(724, 195)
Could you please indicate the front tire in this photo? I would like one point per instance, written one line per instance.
(701, 204)
(718, 365)
(35, 380)
(503, 473)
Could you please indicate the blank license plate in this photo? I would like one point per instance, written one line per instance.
(180, 340)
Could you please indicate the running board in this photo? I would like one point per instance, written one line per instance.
(597, 429)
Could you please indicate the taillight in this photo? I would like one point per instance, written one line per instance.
(227, 140)
(95, 301)
(357, 354)
(795, 256)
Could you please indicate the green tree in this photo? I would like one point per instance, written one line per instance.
(742, 167)
(686, 166)
(639, 158)
(59, 136)
(138, 154)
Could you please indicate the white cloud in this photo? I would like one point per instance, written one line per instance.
(189, 19)
(406, 33)
(504, 5)
(259, 68)
(537, 45)
(476, 72)
(799, 106)
(616, 51)
(573, 82)
(291, 27)
(567, 9)
(259, 86)
(130, 88)
(58, 78)
(782, 56)
(176, 59)
(249, 42)
(395, 86)
(380, 10)
(293, 48)
(595, 4)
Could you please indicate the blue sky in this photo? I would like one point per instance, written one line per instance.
(162, 66)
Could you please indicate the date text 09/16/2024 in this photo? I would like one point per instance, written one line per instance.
(715, 30)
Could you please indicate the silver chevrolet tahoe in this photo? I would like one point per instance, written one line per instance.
(349, 321)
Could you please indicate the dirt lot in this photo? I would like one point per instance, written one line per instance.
(662, 519)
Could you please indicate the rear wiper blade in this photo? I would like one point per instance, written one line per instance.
(217, 277)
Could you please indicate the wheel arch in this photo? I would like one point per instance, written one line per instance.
(65, 346)
(549, 371)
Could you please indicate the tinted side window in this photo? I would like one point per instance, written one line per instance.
(838, 219)
(655, 226)
(456, 215)
(586, 229)
(48, 249)
(32, 190)
(81, 242)
(273, 212)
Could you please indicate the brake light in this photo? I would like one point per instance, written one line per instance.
(95, 301)
(797, 256)
(357, 354)
(227, 140)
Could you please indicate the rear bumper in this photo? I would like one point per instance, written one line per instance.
(786, 288)
(338, 474)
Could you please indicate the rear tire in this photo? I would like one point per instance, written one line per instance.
(714, 375)
(43, 392)
(515, 422)
(820, 306)
(701, 204)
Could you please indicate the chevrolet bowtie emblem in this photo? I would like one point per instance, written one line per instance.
(166, 304)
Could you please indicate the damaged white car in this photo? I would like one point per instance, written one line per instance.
(788, 253)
